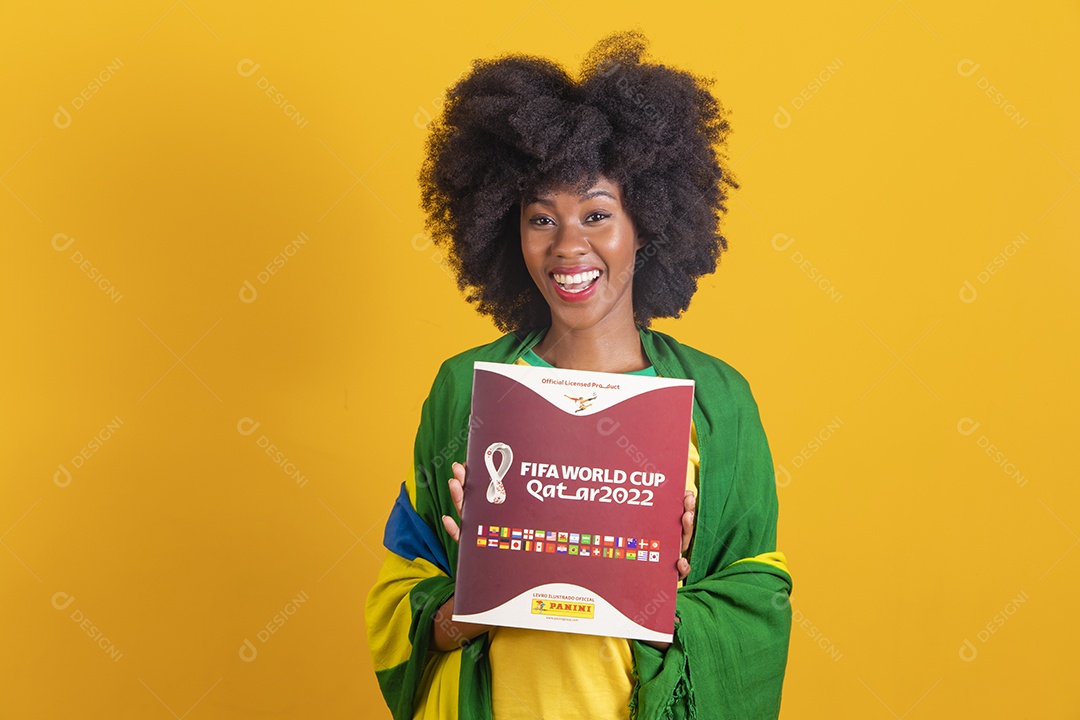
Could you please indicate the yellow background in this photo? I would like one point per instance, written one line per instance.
(898, 179)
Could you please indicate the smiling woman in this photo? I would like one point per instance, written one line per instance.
(579, 249)
(574, 211)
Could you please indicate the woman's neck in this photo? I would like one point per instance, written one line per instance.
(605, 349)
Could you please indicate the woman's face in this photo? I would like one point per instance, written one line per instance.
(580, 252)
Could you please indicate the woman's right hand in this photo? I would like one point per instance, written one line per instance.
(457, 494)
(447, 634)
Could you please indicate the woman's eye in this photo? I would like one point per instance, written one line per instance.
(541, 221)
(596, 216)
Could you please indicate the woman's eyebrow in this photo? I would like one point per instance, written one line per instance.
(594, 193)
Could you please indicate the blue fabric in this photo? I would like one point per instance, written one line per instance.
(408, 536)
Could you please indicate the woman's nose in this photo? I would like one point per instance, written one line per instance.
(570, 241)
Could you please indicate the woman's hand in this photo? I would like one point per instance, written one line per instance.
(689, 505)
(447, 634)
(457, 494)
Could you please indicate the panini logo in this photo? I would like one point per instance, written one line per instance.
(562, 608)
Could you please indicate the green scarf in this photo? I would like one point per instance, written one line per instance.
(733, 620)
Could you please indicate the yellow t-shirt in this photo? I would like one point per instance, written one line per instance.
(547, 675)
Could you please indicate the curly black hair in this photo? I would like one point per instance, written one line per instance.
(520, 125)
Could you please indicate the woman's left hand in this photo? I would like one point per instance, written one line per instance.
(689, 505)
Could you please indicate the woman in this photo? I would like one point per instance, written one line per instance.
(575, 211)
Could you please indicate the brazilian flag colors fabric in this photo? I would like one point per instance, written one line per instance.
(733, 619)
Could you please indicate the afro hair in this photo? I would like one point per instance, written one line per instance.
(520, 125)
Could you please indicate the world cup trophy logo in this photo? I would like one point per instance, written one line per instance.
(496, 492)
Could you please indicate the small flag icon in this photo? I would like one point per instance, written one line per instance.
(575, 538)
(654, 557)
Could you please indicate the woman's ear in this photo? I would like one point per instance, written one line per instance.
(640, 241)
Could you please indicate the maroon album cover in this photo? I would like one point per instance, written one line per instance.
(573, 498)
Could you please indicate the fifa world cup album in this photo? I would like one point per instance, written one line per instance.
(573, 501)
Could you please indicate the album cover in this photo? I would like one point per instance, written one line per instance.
(573, 499)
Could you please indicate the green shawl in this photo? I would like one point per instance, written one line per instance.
(729, 652)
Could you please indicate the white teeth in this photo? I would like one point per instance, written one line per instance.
(576, 278)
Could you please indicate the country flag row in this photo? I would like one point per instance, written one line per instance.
(581, 544)
(543, 546)
(590, 540)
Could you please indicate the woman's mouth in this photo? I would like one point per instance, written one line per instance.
(576, 285)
